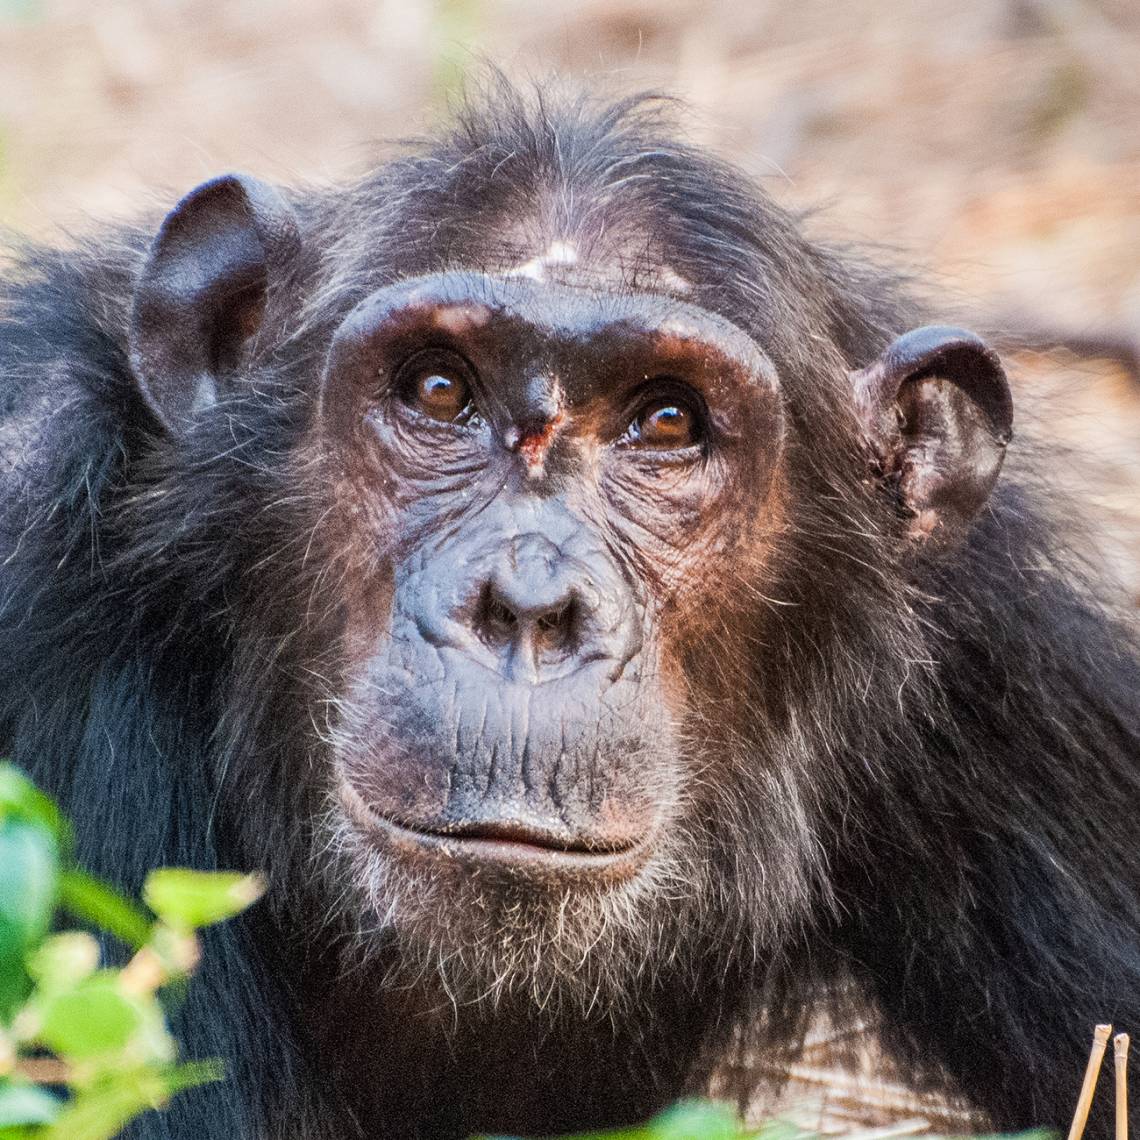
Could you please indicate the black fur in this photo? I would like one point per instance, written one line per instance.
(931, 805)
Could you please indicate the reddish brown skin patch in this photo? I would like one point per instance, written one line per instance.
(536, 442)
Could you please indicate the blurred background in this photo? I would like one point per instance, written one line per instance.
(993, 146)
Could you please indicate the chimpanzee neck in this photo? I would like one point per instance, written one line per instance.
(408, 1063)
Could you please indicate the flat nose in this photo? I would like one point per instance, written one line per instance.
(533, 607)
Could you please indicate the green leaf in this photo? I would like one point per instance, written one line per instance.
(694, 1120)
(28, 869)
(93, 1019)
(14, 986)
(190, 899)
(686, 1120)
(20, 799)
(152, 1043)
(178, 1078)
(26, 1104)
(93, 901)
(27, 885)
(101, 1111)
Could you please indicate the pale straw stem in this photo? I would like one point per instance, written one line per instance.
(1092, 1071)
(1120, 1052)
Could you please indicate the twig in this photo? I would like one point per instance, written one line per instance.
(44, 1071)
(1120, 1053)
(143, 974)
(844, 1088)
(1092, 1071)
(911, 1127)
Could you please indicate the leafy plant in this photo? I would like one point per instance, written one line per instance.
(84, 1048)
(696, 1120)
(705, 1120)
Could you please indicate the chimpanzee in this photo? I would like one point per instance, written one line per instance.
(593, 605)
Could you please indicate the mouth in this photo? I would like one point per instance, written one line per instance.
(512, 845)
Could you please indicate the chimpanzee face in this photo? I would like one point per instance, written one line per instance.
(538, 483)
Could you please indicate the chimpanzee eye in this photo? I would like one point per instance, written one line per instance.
(667, 424)
(437, 385)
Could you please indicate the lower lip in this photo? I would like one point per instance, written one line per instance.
(530, 858)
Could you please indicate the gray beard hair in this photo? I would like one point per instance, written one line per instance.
(727, 882)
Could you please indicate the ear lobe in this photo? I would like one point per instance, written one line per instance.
(201, 294)
(937, 412)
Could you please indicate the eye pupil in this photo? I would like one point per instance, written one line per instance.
(666, 424)
(442, 397)
(436, 391)
(670, 421)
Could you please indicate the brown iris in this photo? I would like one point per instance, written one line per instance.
(666, 425)
(438, 388)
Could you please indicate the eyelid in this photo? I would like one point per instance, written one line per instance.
(447, 363)
(662, 391)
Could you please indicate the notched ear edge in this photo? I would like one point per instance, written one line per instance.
(937, 415)
(201, 293)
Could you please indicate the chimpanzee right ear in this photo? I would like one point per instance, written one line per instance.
(201, 294)
(937, 414)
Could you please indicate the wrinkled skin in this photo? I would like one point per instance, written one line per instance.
(531, 551)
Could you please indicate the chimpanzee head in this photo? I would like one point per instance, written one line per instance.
(567, 474)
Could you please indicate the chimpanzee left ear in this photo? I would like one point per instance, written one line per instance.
(937, 413)
(201, 294)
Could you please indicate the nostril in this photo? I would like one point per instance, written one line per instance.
(499, 614)
(550, 622)
(501, 621)
(496, 621)
(555, 628)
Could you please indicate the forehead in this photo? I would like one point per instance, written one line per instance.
(563, 261)
(586, 235)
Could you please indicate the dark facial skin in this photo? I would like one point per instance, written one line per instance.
(538, 478)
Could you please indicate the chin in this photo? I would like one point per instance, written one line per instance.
(544, 931)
